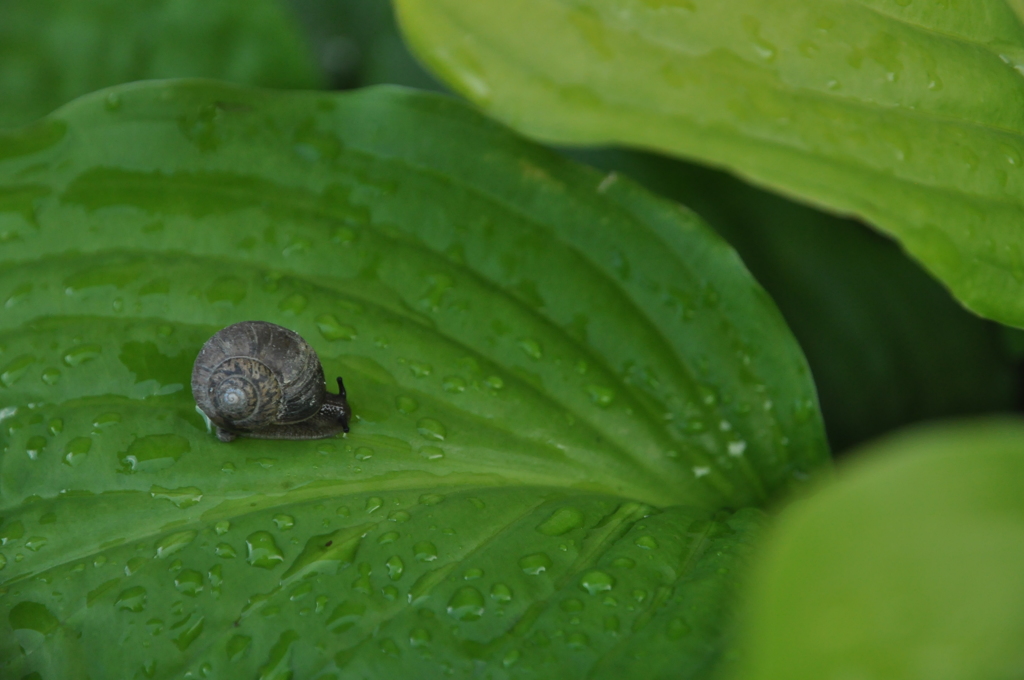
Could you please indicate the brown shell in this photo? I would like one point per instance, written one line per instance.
(255, 374)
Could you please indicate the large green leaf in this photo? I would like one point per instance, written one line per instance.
(887, 345)
(904, 113)
(908, 568)
(557, 380)
(52, 51)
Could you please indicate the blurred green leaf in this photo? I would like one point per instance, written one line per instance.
(52, 51)
(557, 380)
(907, 568)
(886, 344)
(357, 43)
(904, 113)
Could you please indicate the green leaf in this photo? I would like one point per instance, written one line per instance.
(52, 51)
(886, 344)
(545, 364)
(904, 113)
(907, 568)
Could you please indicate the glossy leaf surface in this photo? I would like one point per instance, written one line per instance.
(546, 366)
(904, 113)
(908, 567)
(886, 344)
(52, 51)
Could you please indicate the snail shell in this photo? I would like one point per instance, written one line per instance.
(258, 379)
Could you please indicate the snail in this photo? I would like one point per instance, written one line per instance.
(257, 379)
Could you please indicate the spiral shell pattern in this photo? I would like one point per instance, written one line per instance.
(254, 375)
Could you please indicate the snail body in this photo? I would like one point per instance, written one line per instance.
(258, 379)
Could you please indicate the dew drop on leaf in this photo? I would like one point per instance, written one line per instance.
(132, 599)
(419, 637)
(76, 450)
(535, 564)
(561, 521)
(595, 582)
(284, 522)
(646, 542)
(501, 593)
(467, 604)
(30, 615)
(189, 582)
(345, 615)
(395, 567)
(389, 537)
(430, 428)
(425, 551)
(224, 550)
(263, 551)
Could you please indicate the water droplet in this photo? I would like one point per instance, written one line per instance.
(561, 521)
(431, 499)
(389, 537)
(14, 370)
(623, 563)
(184, 497)
(571, 605)
(531, 348)
(153, 452)
(425, 551)
(106, 420)
(453, 384)
(578, 640)
(535, 564)
(332, 329)
(189, 582)
(432, 452)
(34, 543)
(419, 637)
(639, 594)
(3, 561)
(399, 516)
(431, 429)
(173, 543)
(294, 304)
(495, 382)
(395, 567)
(132, 599)
(345, 615)
(648, 542)
(374, 503)
(32, 616)
(406, 404)
(601, 396)
(595, 582)
(12, 532)
(50, 375)
(501, 593)
(284, 522)
(390, 593)
(34, 446)
(364, 453)
(467, 604)
(76, 450)
(388, 647)
(225, 551)
(263, 551)
(510, 658)
(473, 574)
(222, 527)
(420, 370)
(76, 356)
